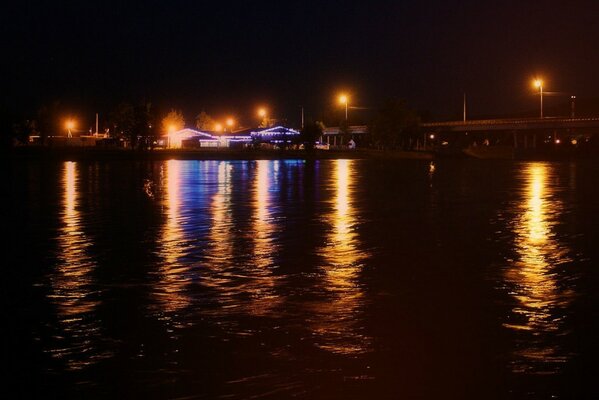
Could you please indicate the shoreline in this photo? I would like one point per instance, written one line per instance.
(31, 153)
(103, 154)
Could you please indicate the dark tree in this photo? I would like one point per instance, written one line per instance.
(394, 125)
(204, 122)
(122, 122)
(134, 123)
(48, 120)
(22, 130)
(310, 134)
(143, 125)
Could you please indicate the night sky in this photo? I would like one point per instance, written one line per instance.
(229, 57)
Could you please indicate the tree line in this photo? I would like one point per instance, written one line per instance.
(394, 125)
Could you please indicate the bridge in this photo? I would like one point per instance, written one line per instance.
(528, 134)
(517, 124)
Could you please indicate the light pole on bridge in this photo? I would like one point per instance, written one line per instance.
(539, 83)
(343, 99)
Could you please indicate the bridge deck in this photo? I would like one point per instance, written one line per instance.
(512, 124)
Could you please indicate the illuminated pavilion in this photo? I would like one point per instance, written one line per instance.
(191, 138)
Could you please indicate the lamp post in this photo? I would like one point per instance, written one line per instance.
(70, 124)
(171, 133)
(262, 115)
(230, 122)
(344, 100)
(539, 83)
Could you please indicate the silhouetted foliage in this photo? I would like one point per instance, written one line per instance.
(134, 123)
(122, 121)
(204, 122)
(48, 120)
(310, 133)
(395, 126)
(21, 131)
(173, 121)
(143, 125)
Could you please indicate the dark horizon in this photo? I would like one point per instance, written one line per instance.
(231, 59)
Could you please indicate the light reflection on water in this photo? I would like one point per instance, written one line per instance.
(533, 277)
(336, 317)
(203, 263)
(218, 269)
(74, 292)
(242, 283)
(173, 272)
(262, 288)
(270, 260)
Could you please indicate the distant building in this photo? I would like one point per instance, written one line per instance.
(332, 136)
(275, 135)
(191, 138)
(175, 140)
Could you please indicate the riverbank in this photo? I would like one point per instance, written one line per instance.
(109, 154)
(94, 153)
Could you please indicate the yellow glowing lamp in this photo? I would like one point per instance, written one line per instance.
(218, 127)
(70, 125)
(230, 122)
(538, 83)
(343, 99)
(262, 112)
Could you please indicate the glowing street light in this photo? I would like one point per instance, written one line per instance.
(171, 136)
(70, 125)
(343, 99)
(262, 114)
(539, 84)
(230, 122)
(218, 127)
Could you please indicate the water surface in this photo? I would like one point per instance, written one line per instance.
(309, 279)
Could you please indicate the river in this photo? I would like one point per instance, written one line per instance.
(343, 279)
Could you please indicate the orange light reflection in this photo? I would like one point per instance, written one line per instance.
(170, 291)
(337, 316)
(218, 271)
(261, 289)
(539, 300)
(72, 282)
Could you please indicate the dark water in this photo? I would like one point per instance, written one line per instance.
(293, 279)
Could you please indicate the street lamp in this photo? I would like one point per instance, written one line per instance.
(539, 84)
(70, 124)
(171, 134)
(343, 99)
(230, 122)
(262, 115)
